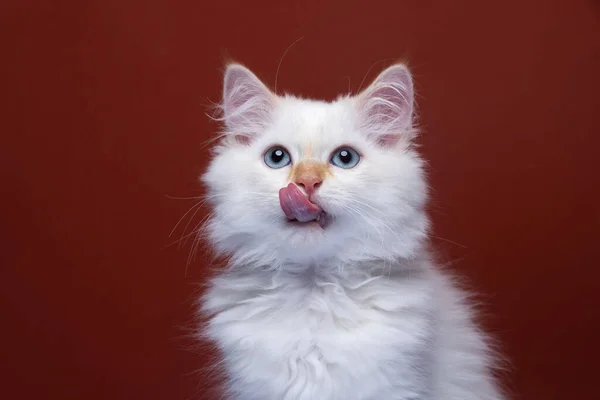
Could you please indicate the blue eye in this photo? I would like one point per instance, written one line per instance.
(345, 157)
(277, 157)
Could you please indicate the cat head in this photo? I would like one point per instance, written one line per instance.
(298, 181)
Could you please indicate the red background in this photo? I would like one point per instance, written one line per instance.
(102, 119)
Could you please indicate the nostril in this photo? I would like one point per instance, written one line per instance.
(309, 185)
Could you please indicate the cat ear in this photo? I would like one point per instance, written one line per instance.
(386, 106)
(247, 103)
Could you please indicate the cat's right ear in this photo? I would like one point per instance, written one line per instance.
(247, 103)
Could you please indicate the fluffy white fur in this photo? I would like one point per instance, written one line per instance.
(357, 310)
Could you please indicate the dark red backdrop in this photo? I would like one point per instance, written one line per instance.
(103, 118)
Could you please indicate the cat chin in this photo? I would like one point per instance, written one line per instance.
(344, 240)
(311, 226)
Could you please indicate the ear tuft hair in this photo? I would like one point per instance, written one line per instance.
(386, 106)
(247, 104)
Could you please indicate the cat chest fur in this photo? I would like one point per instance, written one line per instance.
(323, 339)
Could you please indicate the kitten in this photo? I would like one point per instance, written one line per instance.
(330, 292)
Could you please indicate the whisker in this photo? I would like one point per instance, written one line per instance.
(369, 70)
(197, 205)
(448, 240)
(183, 198)
(281, 60)
(190, 220)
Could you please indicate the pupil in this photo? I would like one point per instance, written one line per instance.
(277, 155)
(345, 156)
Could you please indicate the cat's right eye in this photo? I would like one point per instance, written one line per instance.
(277, 157)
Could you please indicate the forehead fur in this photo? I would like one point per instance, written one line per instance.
(309, 128)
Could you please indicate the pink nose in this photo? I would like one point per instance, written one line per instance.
(309, 183)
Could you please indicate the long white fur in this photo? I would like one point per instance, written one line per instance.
(359, 310)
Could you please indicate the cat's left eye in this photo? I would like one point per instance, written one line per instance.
(345, 157)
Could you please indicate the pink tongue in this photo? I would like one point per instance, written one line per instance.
(296, 205)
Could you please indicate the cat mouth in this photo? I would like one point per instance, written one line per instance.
(299, 209)
(321, 221)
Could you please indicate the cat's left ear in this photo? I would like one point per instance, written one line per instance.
(247, 103)
(386, 106)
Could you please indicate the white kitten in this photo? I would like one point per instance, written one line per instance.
(330, 292)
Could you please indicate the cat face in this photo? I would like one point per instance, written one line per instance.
(298, 181)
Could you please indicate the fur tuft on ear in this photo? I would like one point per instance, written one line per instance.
(247, 103)
(386, 106)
